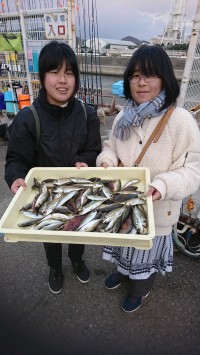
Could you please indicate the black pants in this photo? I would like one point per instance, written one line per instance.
(140, 288)
(54, 253)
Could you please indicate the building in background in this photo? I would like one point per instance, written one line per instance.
(105, 46)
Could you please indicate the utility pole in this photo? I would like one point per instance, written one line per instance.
(71, 24)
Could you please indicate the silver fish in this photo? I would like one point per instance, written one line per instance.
(33, 215)
(28, 223)
(44, 223)
(52, 226)
(81, 181)
(91, 226)
(97, 198)
(134, 201)
(60, 182)
(66, 189)
(107, 192)
(28, 206)
(112, 216)
(59, 216)
(138, 221)
(90, 207)
(130, 182)
(84, 199)
(41, 199)
(89, 218)
(66, 198)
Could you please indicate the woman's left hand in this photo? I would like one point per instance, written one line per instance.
(79, 165)
(156, 195)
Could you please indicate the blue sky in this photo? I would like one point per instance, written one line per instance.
(142, 19)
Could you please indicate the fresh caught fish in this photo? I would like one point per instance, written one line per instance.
(134, 201)
(65, 198)
(114, 185)
(111, 219)
(87, 219)
(138, 221)
(84, 199)
(52, 226)
(33, 215)
(114, 214)
(127, 225)
(81, 181)
(60, 182)
(125, 197)
(130, 182)
(91, 226)
(107, 192)
(59, 216)
(41, 200)
(28, 206)
(82, 204)
(97, 198)
(90, 207)
(28, 223)
(66, 189)
(73, 223)
(61, 209)
(44, 223)
(108, 207)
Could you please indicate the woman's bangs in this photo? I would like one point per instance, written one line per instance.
(147, 66)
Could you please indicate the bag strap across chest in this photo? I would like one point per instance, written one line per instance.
(154, 137)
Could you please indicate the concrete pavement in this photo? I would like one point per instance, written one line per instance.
(87, 318)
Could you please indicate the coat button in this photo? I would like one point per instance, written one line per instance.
(140, 142)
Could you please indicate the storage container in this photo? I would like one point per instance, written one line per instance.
(23, 101)
(118, 88)
(11, 102)
(2, 103)
(12, 216)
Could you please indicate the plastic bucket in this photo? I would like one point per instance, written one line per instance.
(11, 102)
(23, 101)
(2, 103)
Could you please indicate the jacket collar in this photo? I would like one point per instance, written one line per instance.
(54, 109)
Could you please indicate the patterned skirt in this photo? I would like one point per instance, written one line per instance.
(140, 264)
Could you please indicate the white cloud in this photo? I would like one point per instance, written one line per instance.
(154, 17)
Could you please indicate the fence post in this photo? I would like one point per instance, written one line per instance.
(24, 38)
(190, 57)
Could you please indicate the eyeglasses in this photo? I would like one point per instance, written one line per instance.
(147, 78)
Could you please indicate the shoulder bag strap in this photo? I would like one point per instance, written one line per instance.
(155, 134)
(37, 123)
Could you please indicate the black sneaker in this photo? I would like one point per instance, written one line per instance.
(55, 280)
(113, 281)
(81, 270)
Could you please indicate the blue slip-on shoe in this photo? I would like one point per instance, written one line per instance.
(113, 281)
(131, 303)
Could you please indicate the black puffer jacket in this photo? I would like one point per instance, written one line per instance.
(66, 137)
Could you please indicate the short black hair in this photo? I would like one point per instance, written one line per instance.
(152, 59)
(53, 55)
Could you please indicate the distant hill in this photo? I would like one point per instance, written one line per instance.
(134, 40)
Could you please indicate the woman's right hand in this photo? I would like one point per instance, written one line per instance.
(104, 165)
(16, 184)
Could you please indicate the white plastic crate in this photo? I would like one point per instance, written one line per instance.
(12, 215)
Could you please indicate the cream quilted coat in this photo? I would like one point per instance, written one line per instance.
(174, 161)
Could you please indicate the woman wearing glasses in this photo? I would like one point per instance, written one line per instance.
(150, 88)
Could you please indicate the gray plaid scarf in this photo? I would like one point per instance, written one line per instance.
(134, 115)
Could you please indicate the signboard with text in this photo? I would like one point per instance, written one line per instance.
(56, 26)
